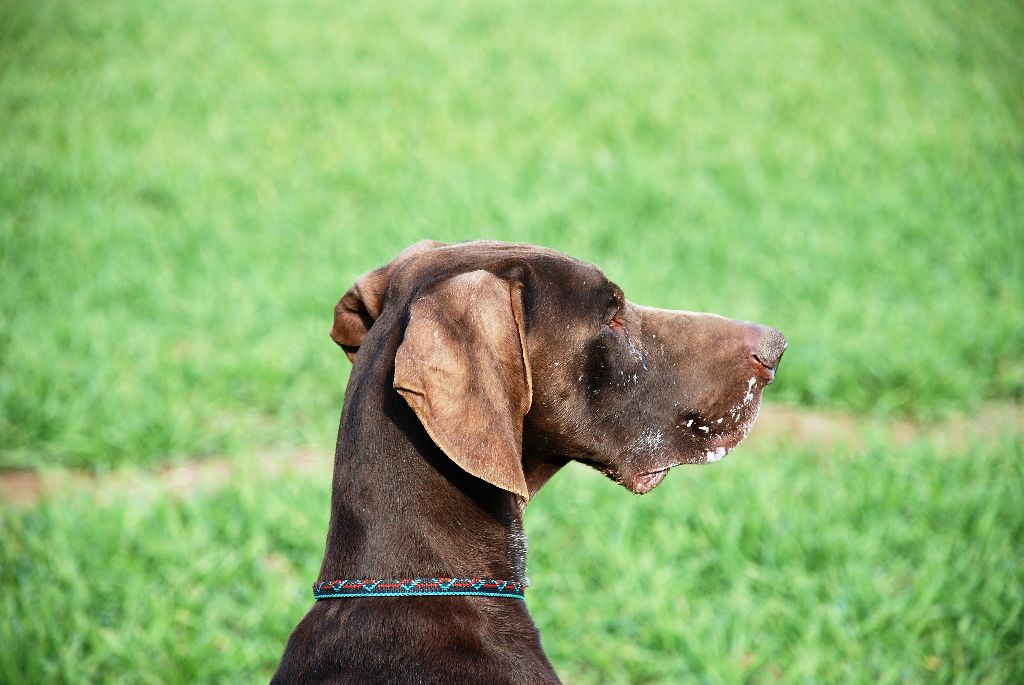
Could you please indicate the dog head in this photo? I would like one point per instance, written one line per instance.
(516, 358)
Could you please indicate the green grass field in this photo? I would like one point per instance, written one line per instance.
(186, 189)
(779, 565)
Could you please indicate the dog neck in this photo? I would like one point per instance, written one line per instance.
(399, 507)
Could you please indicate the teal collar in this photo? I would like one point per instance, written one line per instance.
(414, 587)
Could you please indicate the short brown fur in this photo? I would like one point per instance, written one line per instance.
(479, 370)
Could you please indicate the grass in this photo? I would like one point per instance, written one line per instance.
(186, 190)
(770, 567)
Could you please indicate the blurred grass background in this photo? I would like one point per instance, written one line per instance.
(186, 189)
(879, 567)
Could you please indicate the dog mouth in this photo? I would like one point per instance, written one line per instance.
(646, 482)
(721, 445)
(711, 439)
(718, 435)
(702, 438)
(708, 452)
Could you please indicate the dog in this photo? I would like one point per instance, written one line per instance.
(479, 370)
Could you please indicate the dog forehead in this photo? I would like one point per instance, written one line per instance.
(552, 269)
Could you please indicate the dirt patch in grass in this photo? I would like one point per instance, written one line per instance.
(781, 424)
(25, 488)
(777, 426)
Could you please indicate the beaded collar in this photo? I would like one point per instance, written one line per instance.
(413, 587)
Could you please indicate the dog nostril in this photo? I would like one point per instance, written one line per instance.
(770, 348)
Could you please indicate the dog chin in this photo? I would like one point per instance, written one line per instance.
(645, 482)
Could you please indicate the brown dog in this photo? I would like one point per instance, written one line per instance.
(479, 370)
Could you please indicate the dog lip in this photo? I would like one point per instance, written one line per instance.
(646, 482)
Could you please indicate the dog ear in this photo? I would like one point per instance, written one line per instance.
(362, 304)
(463, 368)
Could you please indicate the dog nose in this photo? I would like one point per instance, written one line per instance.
(770, 348)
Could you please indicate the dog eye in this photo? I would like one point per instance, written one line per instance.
(615, 320)
(613, 310)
